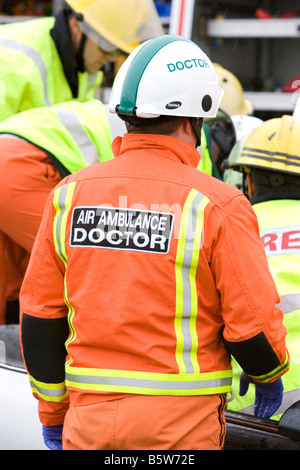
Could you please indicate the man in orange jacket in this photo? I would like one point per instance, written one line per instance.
(146, 275)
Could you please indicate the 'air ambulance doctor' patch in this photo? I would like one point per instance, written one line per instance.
(121, 229)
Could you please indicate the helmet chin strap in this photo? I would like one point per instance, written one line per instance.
(196, 124)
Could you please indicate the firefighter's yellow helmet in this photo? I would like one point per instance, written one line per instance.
(118, 24)
(274, 145)
(233, 101)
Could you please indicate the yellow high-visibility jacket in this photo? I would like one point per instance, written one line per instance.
(279, 223)
(32, 73)
(72, 134)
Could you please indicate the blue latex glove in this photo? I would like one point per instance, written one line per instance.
(268, 396)
(53, 436)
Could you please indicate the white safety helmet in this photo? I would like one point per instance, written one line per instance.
(168, 75)
(243, 125)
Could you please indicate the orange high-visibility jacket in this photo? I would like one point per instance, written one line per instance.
(161, 274)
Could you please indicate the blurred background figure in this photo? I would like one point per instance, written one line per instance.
(44, 62)
(38, 148)
(270, 162)
(50, 60)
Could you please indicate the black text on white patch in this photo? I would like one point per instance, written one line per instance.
(122, 229)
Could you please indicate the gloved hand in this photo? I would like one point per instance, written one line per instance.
(53, 436)
(268, 396)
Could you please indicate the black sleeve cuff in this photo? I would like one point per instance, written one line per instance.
(44, 349)
(255, 355)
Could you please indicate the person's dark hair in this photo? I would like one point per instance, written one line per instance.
(273, 185)
(273, 179)
(161, 125)
(69, 12)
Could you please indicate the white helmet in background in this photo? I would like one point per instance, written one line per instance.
(243, 125)
(168, 75)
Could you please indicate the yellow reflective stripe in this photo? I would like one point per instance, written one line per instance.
(49, 392)
(72, 335)
(62, 203)
(124, 381)
(189, 245)
(274, 374)
(278, 160)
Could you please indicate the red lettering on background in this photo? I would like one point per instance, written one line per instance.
(269, 240)
(288, 242)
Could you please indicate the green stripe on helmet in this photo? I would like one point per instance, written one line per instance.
(137, 69)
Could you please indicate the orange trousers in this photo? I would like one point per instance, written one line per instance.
(147, 423)
(27, 176)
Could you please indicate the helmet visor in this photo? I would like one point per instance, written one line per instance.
(104, 45)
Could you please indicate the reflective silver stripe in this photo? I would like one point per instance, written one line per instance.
(188, 249)
(35, 57)
(92, 79)
(10, 136)
(154, 385)
(48, 392)
(187, 295)
(82, 139)
(289, 303)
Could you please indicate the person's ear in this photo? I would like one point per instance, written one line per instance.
(76, 33)
(250, 184)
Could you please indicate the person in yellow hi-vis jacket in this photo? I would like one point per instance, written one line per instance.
(270, 160)
(146, 275)
(50, 60)
(38, 148)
